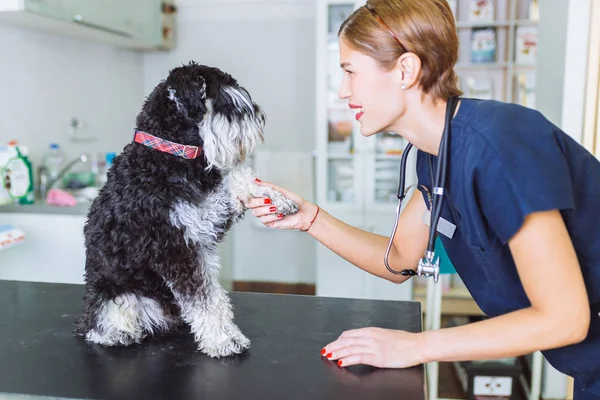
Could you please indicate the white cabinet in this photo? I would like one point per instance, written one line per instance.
(53, 250)
(138, 24)
(356, 177)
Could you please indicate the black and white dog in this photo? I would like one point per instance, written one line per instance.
(152, 234)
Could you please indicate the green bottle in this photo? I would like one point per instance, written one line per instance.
(18, 177)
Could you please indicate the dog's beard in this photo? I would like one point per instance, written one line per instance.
(227, 140)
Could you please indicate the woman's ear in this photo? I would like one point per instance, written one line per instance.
(409, 64)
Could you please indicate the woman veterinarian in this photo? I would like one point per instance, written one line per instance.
(524, 197)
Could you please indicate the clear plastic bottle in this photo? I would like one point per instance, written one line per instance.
(53, 159)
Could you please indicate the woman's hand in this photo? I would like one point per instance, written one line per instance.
(383, 348)
(269, 216)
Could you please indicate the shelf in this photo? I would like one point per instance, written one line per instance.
(456, 301)
(340, 156)
(526, 22)
(388, 156)
(482, 24)
(498, 24)
(493, 65)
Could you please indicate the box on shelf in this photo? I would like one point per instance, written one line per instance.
(481, 11)
(489, 379)
(526, 39)
(483, 45)
(534, 10)
(525, 93)
(480, 88)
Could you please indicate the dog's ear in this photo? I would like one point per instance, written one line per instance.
(234, 100)
(188, 97)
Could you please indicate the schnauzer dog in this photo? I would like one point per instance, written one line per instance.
(152, 233)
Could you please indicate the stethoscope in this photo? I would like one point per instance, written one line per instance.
(430, 264)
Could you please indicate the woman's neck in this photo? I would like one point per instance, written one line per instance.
(423, 122)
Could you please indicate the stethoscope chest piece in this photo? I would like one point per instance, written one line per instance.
(428, 267)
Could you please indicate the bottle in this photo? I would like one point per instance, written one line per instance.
(53, 160)
(29, 197)
(18, 176)
(110, 159)
(7, 153)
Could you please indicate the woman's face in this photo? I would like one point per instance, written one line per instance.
(372, 92)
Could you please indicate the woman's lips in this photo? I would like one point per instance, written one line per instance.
(357, 109)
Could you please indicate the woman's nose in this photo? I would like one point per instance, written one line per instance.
(344, 91)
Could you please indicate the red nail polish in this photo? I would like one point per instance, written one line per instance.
(267, 201)
(280, 216)
(329, 355)
(340, 363)
(257, 180)
(323, 351)
(272, 209)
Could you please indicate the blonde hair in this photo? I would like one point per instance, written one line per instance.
(386, 29)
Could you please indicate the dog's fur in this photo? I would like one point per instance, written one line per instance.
(152, 233)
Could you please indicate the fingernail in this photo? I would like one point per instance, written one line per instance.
(340, 363)
(280, 216)
(323, 351)
(258, 180)
(267, 201)
(329, 355)
(272, 209)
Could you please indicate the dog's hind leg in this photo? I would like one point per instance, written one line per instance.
(206, 307)
(122, 320)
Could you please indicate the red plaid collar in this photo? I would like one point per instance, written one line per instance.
(188, 152)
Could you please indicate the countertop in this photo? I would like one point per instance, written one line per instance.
(41, 356)
(39, 207)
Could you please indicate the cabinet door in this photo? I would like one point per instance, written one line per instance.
(383, 161)
(53, 249)
(106, 15)
(375, 287)
(335, 276)
(57, 9)
(141, 19)
(338, 161)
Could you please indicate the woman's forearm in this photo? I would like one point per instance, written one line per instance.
(363, 249)
(510, 335)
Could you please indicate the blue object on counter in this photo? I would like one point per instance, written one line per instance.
(110, 158)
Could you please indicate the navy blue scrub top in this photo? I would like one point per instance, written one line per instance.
(507, 161)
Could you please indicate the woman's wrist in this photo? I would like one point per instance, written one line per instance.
(311, 216)
(426, 345)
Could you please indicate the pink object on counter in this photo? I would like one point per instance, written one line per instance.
(58, 197)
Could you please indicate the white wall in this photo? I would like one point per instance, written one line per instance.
(560, 93)
(45, 79)
(268, 46)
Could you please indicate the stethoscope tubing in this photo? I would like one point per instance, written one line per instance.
(437, 194)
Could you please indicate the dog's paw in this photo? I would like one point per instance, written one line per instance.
(114, 338)
(284, 205)
(225, 345)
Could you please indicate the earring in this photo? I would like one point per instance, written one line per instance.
(403, 87)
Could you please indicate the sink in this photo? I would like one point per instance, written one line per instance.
(86, 194)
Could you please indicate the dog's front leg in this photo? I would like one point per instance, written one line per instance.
(242, 185)
(206, 307)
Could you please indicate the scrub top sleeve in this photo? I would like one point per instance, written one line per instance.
(527, 178)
